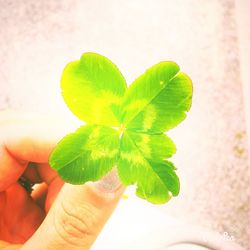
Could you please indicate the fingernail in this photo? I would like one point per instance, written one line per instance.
(109, 183)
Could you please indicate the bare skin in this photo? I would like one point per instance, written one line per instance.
(55, 215)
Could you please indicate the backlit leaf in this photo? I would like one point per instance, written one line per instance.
(155, 177)
(87, 154)
(158, 100)
(125, 127)
(92, 87)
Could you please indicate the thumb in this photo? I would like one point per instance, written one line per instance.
(78, 215)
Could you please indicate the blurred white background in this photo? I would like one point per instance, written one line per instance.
(208, 39)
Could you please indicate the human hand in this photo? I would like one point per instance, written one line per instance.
(55, 215)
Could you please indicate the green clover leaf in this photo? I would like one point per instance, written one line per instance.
(125, 127)
(87, 154)
(158, 100)
(92, 86)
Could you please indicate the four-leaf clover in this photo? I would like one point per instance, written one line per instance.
(124, 126)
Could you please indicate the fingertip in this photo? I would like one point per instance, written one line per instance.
(109, 183)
